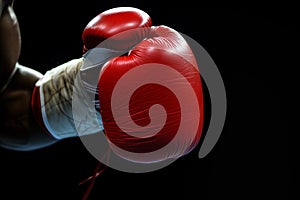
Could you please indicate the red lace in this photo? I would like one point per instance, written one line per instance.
(99, 169)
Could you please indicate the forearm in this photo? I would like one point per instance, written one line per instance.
(18, 128)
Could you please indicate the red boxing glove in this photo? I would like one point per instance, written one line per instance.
(151, 100)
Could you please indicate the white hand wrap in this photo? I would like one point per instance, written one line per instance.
(56, 90)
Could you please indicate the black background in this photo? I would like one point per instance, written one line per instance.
(254, 49)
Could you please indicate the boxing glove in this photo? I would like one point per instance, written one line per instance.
(151, 99)
(52, 97)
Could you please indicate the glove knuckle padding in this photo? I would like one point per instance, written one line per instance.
(132, 121)
(111, 23)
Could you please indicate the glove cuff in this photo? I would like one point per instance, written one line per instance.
(57, 90)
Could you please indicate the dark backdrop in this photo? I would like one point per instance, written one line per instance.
(254, 51)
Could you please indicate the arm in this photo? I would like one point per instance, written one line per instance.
(18, 128)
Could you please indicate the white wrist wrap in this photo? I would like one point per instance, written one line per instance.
(56, 90)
